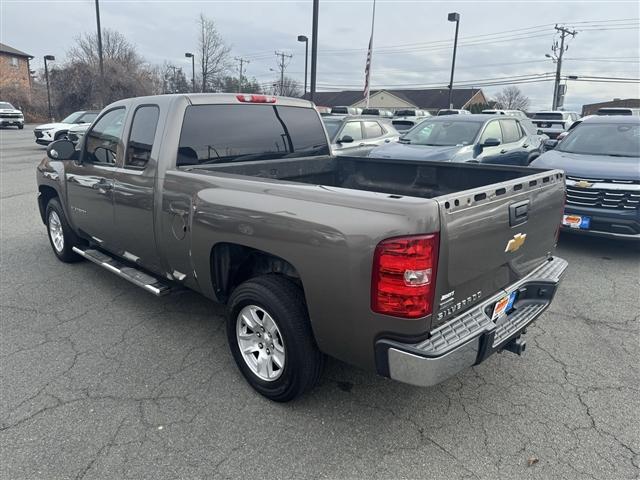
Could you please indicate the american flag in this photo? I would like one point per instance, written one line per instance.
(367, 69)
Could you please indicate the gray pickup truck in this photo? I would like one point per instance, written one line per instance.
(413, 269)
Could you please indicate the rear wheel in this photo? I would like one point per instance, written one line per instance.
(61, 237)
(270, 338)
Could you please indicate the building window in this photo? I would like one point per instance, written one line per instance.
(14, 61)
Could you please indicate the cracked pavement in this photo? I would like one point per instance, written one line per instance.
(100, 379)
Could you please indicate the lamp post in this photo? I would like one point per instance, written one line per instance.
(303, 38)
(314, 47)
(453, 17)
(99, 31)
(49, 58)
(193, 70)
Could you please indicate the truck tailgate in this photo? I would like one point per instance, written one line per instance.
(491, 237)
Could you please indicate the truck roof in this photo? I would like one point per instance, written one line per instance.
(220, 98)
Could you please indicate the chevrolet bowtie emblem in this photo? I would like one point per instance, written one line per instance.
(583, 184)
(516, 242)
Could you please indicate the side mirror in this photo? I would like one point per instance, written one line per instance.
(346, 139)
(61, 150)
(491, 142)
(550, 144)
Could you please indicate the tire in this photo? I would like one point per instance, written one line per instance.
(60, 136)
(61, 237)
(20, 127)
(290, 343)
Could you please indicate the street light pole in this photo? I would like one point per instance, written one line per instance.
(46, 76)
(303, 38)
(314, 47)
(193, 70)
(453, 17)
(100, 54)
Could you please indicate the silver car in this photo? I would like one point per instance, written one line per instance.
(358, 135)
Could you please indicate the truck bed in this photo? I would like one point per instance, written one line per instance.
(395, 177)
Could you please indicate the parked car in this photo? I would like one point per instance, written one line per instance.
(378, 112)
(512, 113)
(341, 110)
(618, 111)
(560, 137)
(414, 270)
(411, 112)
(358, 135)
(601, 159)
(452, 111)
(47, 133)
(467, 138)
(553, 123)
(10, 115)
(76, 133)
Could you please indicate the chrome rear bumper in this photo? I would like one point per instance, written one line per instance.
(471, 337)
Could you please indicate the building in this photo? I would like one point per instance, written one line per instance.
(14, 70)
(432, 99)
(592, 108)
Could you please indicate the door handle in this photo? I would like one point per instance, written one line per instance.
(103, 185)
(361, 144)
(177, 210)
(503, 151)
(526, 145)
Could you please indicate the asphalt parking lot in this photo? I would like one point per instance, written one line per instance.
(99, 379)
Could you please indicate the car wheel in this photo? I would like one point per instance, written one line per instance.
(60, 136)
(61, 237)
(270, 337)
(20, 127)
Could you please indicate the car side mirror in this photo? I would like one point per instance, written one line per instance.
(491, 142)
(346, 139)
(550, 144)
(61, 150)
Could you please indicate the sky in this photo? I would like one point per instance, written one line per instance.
(412, 41)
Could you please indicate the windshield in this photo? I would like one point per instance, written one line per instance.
(332, 125)
(72, 118)
(548, 116)
(6, 105)
(235, 133)
(614, 139)
(443, 133)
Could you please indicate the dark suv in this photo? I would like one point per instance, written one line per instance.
(601, 159)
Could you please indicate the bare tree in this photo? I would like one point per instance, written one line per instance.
(512, 98)
(214, 53)
(289, 88)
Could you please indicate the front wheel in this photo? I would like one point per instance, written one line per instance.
(270, 338)
(61, 236)
(20, 127)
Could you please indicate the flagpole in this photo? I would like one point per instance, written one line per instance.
(373, 20)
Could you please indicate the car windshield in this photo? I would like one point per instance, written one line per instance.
(443, 133)
(614, 139)
(547, 116)
(332, 125)
(72, 118)
(6, 105)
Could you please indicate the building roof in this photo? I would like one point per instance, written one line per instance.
(627, 102)
(13, 51)
(431, 98)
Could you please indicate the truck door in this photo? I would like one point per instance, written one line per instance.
(134, 187)
(90, 181)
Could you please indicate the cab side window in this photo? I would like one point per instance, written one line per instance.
(353, 130)
(101, 144)
(492, 130)
(143, 132)
(510, 131)
(373, 130)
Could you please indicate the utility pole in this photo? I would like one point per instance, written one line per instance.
(282, 65)
(453, 17)
(314, 47)
(100, 55)
(242, 62)
(49, 58)
(559, 50)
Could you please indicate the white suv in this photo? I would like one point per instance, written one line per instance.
(49, 132)
(553, 123)
(9, 115)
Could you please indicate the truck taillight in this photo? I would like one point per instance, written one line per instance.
(404, 276)
(256, 99)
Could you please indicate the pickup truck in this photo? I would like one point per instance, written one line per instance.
(412, 269)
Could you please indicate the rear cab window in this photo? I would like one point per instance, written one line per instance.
(236, 133)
